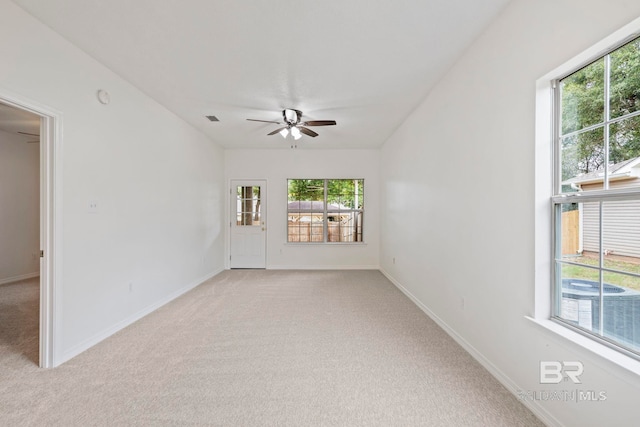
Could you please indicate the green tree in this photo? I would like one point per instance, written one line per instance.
(624, 142)
(345, 192)
(583, 106)
(306, 189)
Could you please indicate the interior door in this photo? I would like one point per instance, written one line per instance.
(248, 224)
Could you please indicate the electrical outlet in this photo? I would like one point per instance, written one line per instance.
(394, 260)
(93, 206)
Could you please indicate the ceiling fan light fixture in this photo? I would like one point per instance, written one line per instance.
(295, 132)
(284, 132)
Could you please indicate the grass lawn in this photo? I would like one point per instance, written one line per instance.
(617, 279)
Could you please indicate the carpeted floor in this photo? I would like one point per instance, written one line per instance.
(261, 348)
(19, 317)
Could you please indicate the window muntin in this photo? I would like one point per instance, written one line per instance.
(596, 286)
(325, 210)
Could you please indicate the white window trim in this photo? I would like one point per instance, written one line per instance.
(543, 191)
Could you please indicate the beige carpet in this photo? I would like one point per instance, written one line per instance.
(265, 348)
(19, 317)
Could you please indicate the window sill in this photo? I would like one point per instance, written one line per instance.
(627, 363)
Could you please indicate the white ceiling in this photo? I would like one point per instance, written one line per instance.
(364, 63)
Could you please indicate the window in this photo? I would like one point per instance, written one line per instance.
(325, 210)
(596, 199)
(248, 202)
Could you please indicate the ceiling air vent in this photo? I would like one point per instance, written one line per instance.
(212, 118)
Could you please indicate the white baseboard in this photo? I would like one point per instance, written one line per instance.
(18, 278)
(323, 267)
(506, 381)
(88, 343)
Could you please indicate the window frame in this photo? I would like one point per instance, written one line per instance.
(326, 211)
(556, 198)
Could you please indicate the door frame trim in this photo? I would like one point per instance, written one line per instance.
(50, 222)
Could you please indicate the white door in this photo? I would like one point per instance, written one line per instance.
(248, 224)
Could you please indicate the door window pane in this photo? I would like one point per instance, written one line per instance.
(248, 206)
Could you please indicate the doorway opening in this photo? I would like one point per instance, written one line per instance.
(28, 135)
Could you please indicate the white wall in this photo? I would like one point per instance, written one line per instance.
(19, 207)
(276, 166)
(456, 190)
(158, 183)
(462, 170)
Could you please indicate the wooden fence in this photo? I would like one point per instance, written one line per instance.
(570, 232)
(312, 232)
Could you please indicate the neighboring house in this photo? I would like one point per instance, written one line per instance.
(312, 211)
(618, 217)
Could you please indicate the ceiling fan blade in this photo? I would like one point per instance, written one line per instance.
(264, 121)
(319, 123)
(27, 133)
(277, 130)
(307, 131)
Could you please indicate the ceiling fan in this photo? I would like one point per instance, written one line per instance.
(294, 125)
